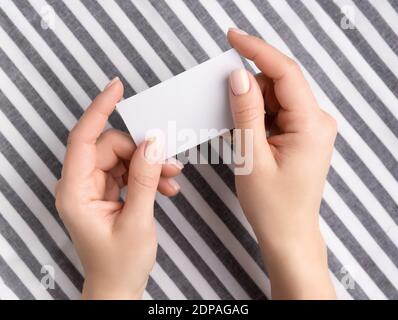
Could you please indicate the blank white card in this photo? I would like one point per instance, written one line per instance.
(186, 110)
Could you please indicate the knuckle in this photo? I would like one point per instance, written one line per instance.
(61, 204)
(152, 246)
(331, 125)
(109, 133)
(58, 199)
(65, 199)
(305, 121)
(328, 127)
(58, 203)
(292, 65)
(246, 114)
(72, 136)
(56, 187)
(307, 125)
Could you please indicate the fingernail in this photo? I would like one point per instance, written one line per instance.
(236, 30)
(114, 80)
(175, 162)
(239, 80)
(153, 150)
(174, 184)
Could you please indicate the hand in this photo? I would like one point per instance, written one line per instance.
(115, 241)
(281, 196)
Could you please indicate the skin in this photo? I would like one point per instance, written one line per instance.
(116, 241)
(281, 197)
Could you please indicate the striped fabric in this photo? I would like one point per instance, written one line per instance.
(56, 56)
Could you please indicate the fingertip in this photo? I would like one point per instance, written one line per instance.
(239, 82)
(118, 89)
(115, 87)
(243, 84)
(168, 187)
(141, 154)
(231, 36)
(175, 187)
(111, 83)
(145, 168)
(154, 150)
(233, 31)
(172, 167)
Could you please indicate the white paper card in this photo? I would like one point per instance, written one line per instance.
(188, 109)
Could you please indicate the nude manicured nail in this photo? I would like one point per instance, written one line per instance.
(239, 80)
(174, 184)
(239, 31)
(153, 150)
(175, 162)
(114, 80)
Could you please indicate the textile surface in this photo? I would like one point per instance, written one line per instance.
(56, 56)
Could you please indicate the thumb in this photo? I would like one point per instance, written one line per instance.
(144, 175)
(247, 106)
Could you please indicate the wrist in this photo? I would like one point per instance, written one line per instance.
(293, 243)
(94, 289)
(299, 264)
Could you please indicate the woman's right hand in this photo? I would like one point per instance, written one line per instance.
(282, 194)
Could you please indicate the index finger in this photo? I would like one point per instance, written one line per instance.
(291, 88)
(81, 150)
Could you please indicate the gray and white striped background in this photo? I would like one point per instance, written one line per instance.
(50, 72)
